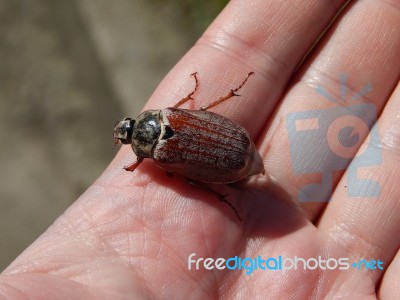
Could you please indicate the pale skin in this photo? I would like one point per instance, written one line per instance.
(130, 234)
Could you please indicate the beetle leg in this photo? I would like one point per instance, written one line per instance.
(231, 94)
(220, 196)
(134, 165)
(190, 96)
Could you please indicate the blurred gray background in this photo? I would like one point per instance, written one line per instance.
(68, 70)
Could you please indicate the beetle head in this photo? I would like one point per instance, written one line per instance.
(123, 131)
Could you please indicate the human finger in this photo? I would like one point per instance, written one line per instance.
(344, 84)
(362, 219)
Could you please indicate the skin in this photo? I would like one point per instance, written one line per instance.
(130, 234)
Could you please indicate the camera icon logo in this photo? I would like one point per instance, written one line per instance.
(326, 140)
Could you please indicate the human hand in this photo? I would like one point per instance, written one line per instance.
(130, 234)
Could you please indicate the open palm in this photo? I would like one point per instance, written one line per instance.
(130, 234)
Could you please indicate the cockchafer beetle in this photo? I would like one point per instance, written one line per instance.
(202, 146)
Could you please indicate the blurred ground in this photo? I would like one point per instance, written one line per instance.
(68, 71)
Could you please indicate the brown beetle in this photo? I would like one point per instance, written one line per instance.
(202, 146)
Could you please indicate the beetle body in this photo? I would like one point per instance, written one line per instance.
(200, 145)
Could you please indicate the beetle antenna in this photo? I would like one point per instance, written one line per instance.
(116, 142)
